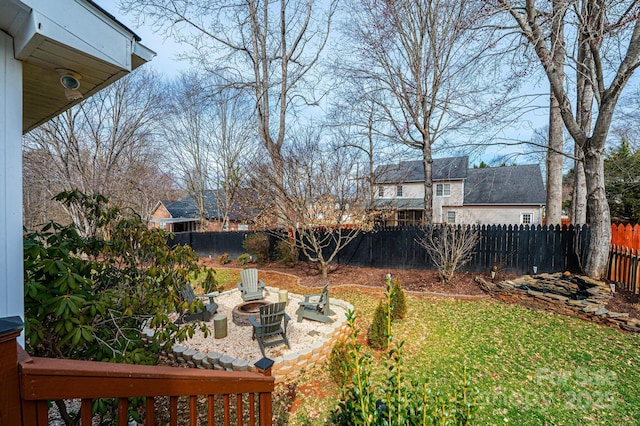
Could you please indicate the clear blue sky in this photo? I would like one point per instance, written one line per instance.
(165, 61)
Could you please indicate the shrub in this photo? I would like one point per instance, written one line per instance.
(399, 400)
(339, 363)
(244, 258)
(223, 259)
(288, 253)
(449, 247)
(258, 244)
(88, 298)
(398, 301)
(378, 330)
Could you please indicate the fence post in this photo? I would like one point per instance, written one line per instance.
(10, 415)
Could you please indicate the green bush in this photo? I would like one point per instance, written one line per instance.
(396, 401)
(378, 330)
(339, 363)
(88, 298)
(288, 253)
(223, 259)
(398, 301)
(244, 258)
(258, 244)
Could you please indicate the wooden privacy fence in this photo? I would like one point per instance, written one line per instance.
(515, 249)
(624, 257)
(512, 248)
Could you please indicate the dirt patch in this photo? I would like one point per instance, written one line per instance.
(625, 301)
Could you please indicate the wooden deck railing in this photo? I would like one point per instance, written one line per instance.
(217, 396)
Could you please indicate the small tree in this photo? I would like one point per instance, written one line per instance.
(319, 209)
(449, 247)
(378, 329)
(398, 301)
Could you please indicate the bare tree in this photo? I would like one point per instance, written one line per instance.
(423, 55)
(269, 49)
(234, 139)
(208, 131)
(319, 203)
(555, 150)
(105, 145)
(606, 38)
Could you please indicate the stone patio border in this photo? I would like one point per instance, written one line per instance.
(289, 365)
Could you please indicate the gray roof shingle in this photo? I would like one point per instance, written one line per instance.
(186, 207)
(452, 168)
(505, 185)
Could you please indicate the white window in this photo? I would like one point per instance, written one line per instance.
(451, 216)
(380, 191)
(399, 190)
(526, 218)
(443, 189)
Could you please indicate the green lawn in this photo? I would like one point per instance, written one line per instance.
(531, 368)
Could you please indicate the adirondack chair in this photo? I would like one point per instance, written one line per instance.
(316, 306)
(272, 324)
(205, 314)
(251, 287)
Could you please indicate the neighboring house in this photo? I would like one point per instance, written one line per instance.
(493, 195)
(52, 54)
(184, 215)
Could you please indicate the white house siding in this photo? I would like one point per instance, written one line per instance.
(409, 190)
(455, 199)
(497, 215)
(11, 269)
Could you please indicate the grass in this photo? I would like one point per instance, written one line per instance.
(531, 368)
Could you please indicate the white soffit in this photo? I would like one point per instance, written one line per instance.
(70, 34)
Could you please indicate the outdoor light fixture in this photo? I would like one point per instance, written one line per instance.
(70, 80)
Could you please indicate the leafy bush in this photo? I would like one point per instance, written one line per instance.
(396, 401)
(223, 259)
(288, 253)
(258, 244)
(378, 330)
(339, 363)
(244, 258)
(88, 298)
(398, 301)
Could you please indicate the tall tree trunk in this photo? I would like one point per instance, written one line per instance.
(579, 195)
(556, 126)
(554, 165)
(427, 161)
(598, 256)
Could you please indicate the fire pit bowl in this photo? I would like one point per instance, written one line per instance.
(243, 311)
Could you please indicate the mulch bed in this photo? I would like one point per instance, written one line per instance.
(414, 280)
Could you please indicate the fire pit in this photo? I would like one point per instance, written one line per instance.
(243, 311)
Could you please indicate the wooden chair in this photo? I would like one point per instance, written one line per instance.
(251, 287)
(316, 306)
(205, 314)
(273, 324)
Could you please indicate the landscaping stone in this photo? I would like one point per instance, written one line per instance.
(565, 294)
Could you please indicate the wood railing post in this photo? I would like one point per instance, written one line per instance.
(10, 411)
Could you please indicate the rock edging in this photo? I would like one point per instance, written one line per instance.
(287, 366)
(552, 292)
